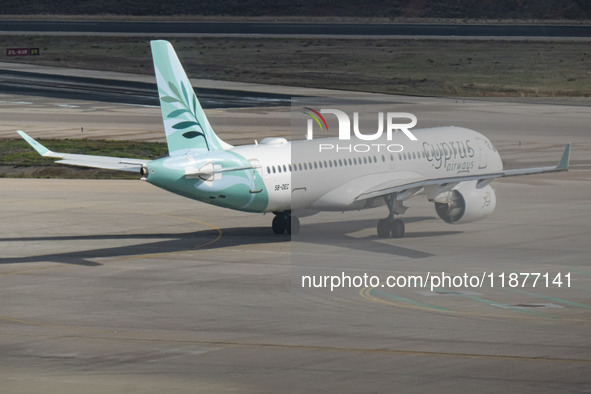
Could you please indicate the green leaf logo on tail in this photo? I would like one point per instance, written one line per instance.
(187, 129)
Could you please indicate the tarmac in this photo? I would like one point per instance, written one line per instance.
(120, 286)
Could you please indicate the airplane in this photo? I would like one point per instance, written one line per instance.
(452, 166)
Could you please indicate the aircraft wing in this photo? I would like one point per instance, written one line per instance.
(561, 166)
(403, 185)
(106, 162)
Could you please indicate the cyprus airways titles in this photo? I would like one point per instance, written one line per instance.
(452, 166)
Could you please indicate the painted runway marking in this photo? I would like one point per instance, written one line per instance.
(368, 293)
(216, 228)
(371, 294)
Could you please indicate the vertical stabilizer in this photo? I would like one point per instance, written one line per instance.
(187, 129)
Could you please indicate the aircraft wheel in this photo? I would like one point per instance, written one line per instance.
(279, 224)
(293, 225)
(397, 228)
(383, 228)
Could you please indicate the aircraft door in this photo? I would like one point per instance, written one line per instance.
(482, 154)
(256, 172)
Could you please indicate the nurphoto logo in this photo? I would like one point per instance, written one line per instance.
(386, 121)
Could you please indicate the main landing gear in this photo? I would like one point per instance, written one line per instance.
(283, 221)
(390, 227)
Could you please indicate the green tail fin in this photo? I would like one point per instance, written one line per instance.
(187, 129)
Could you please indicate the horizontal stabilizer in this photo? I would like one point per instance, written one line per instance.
(104, 162)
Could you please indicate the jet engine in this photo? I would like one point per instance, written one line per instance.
(466, 203)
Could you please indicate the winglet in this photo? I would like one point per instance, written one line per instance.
(43, 151)
(563, 163)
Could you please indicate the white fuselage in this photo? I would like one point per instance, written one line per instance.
(309, 174)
